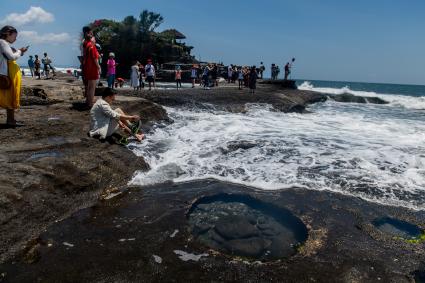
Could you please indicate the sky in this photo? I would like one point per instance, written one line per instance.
(338, 40)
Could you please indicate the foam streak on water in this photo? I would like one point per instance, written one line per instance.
(374, 152)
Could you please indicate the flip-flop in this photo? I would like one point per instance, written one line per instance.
(135, 127)
(123, 141)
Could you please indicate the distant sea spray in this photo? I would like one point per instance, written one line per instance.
(408, 96)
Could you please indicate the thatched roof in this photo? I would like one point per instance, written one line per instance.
(173, 33)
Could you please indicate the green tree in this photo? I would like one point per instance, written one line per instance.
(135, 39)
(149, 21)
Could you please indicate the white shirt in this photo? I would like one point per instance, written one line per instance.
(230, 71)
(151, 72)
(100, 117)
(8, 52)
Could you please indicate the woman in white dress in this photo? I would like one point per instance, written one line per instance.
(134, 79)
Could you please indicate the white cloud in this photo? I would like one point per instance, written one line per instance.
(48, 38)
(33, 15)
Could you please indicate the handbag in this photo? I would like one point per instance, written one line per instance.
(5, 81)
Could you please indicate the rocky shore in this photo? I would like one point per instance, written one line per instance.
(67, 214)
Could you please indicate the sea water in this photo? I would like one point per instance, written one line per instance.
(376, 152)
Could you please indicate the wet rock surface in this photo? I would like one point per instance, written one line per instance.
(346, 97)
(289, 84)
(229, 98)
(132, 238)
(240, 225)
(51, 168)
(398, 228)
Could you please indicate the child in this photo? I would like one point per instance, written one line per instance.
(119, 82)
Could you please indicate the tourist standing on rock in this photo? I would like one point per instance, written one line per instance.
(194, 74)
(240, 77)
(111, 70)
(205, 77)
(287, 71)
(253, 79)
(150, 74)
(229, 73)
(291, 65)
(246, 72)
(134, 77)
(214, 74)
(105, 121)
(273, 72)
(31, 65)
(141, 74)
(37, 67)
(178, 76)
(262, 69)
(91, 68)
(47, 65)
(10, 74)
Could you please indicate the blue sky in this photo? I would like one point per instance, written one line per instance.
(368, 41)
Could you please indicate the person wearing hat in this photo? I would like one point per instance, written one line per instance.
(105, 121)
(111, 66)
(150, 74)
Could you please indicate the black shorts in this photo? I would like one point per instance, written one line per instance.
(150, 79)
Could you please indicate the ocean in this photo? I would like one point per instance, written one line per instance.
(375, 152)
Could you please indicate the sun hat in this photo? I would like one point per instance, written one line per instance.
(111, 54)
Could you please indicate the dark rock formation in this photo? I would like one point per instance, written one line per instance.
(288, 84)
(346, 97)
(36, 96)
(231, 99)
(51, 168)
(121, 240)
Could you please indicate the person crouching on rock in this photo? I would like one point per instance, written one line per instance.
(105, 121)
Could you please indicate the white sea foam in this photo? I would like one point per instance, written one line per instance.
(409, 102)
(359, 150)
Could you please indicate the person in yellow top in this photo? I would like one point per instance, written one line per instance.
(10, 98)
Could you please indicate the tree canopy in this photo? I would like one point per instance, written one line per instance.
(135, 39)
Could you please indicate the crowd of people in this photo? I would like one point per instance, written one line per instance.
(36, 70)
(105, 121)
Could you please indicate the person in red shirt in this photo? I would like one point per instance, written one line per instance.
(119, 82)
(91, 67)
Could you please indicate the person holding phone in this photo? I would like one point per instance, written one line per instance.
(10, 95)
